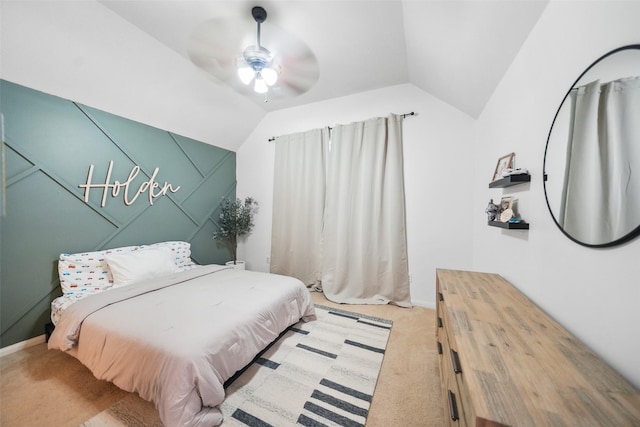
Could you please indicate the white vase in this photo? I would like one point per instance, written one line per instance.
(239, 265)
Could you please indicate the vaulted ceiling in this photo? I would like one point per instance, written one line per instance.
(455, 50)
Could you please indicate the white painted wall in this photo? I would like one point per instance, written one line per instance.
(437, 161)
(594, 293)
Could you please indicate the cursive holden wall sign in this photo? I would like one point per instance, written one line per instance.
(151, 187)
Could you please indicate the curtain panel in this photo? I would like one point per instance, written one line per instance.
(364, 239)
(298, 205)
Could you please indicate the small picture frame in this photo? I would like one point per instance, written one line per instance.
(508, 208)
(504, 163)
(506, 202)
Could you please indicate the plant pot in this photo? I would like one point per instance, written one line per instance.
(239, 265)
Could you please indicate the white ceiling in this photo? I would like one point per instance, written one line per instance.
(455, 50)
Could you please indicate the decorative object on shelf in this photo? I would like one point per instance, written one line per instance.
(492, 210)
(506, 215)
(236, 221)
(518, 171)
(507, 208)
(504, 164)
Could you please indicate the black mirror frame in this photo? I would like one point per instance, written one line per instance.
(633, 233)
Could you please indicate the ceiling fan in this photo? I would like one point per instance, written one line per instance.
(286, 68)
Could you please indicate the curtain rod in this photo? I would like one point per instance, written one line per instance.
(273, 138)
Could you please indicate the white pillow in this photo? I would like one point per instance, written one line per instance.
(181, 252)
(143, 264)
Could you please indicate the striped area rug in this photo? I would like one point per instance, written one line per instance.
(319, 373)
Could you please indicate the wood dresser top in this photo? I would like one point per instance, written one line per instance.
(521, 367)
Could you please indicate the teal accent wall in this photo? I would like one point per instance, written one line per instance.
(50, 144)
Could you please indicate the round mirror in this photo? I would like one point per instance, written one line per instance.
(592, 159)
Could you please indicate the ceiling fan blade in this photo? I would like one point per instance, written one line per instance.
(300, 76)
(215, 45)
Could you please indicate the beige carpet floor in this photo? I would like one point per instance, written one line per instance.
(39, 387)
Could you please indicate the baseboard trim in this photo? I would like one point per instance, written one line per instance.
(21, 345)
(425, 304)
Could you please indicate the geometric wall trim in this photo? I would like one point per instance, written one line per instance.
(50, 145)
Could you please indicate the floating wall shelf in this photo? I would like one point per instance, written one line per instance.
(510, 180)
(510, 225)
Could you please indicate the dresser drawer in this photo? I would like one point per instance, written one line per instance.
(463, 397)
(452, 403)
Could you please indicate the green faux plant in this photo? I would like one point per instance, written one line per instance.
(236, 220)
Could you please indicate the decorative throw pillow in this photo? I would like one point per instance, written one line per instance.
(143, 264)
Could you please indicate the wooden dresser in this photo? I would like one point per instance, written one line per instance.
(504, 362)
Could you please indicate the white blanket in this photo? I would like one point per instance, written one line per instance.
(176, 340)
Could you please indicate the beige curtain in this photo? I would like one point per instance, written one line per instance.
(601, 193)
(298, 205)
(364, 241)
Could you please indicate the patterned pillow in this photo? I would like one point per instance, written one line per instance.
(89, 272)
(86, 272)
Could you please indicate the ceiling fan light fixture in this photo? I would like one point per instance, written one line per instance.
(270, 75)
(246, 73)
(260, 85)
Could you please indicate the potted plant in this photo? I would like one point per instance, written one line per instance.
(236, 221)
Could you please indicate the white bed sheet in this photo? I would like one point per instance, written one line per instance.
(176, 340)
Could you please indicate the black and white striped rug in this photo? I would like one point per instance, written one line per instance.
(319, 373)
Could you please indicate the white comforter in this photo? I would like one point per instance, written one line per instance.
(176, 340)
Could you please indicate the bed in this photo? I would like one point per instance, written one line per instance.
(172, 334)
